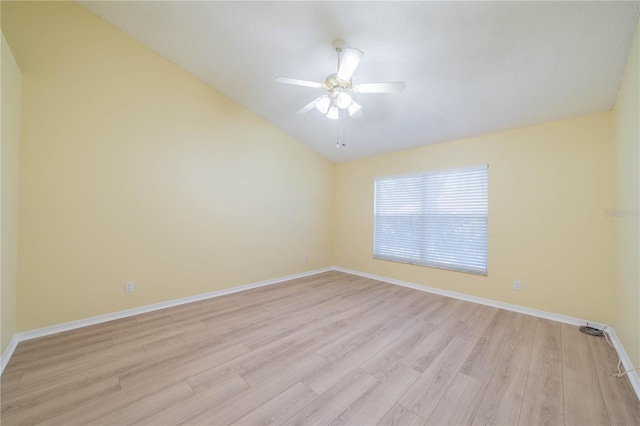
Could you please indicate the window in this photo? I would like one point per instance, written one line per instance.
(436, 219)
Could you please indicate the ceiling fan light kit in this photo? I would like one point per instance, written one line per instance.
(340, 87)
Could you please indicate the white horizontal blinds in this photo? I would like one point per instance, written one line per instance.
(434, 219)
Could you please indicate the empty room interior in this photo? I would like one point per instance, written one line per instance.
(252, 213)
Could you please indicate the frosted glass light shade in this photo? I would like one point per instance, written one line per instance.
(323, 104)
(333, 113)
(354, 107)
(343, 100)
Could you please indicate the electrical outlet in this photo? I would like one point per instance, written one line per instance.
(128, 287)
(319, 256)
(306, 259)
(517, 285)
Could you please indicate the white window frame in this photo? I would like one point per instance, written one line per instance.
(426, 209)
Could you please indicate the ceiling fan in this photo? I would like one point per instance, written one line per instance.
(340, 87)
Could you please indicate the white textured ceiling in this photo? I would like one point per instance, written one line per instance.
(471, 68)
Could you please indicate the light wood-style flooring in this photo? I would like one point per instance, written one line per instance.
(328, 349)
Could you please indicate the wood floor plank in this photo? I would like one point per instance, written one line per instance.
(183, 368)
(389, 357)
(485, 354)
(54, 386)
(480, 319)
(297, 306)
(154, 361)
(205, 339)
(419, 307)
(445, 310)
(221, 323)
(10, 379)
(296, 372)
(244, 402)
(89, 413)
(334, 401)
(459, 404)
(142, 337)
(280, 408)
(579, 390)
(401, 416)
(272, 363)
(18, 396)
(546, 354)
(204, 380)
(156, 319)
(465, 312)
(285, 325)
(359, 309)
(328, 348)
(71, 351)
(215, 311)
(187, 408)
(106, 364)
(374, 403)
(357, 337)
(503, 397)
(47, 344)
(333, 372)
(161, 315)
(139, 411)
(428, 350)
(582, 396)
(32, 361)
(425, 393)
(175, 343)
(38, 410)
(542, 401)
(298, 355)
(412, 305)
(616, 392)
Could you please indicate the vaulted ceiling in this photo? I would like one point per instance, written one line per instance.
(470, 68)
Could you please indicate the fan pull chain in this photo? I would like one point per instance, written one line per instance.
(341, 119)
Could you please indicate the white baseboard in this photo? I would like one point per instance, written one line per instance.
(6, 355)
(72, 325)
(626, 362)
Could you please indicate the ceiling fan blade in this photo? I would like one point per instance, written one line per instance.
(395, 87)
(298, 82)
(348, 63)
(311, 105)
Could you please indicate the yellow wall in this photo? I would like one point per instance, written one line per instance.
(549, 186)
(132, 169)
(10, 134)
(626, 302)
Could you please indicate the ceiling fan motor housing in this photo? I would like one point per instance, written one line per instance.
(332, 82)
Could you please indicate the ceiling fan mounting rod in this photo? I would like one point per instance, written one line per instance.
(338, 44)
